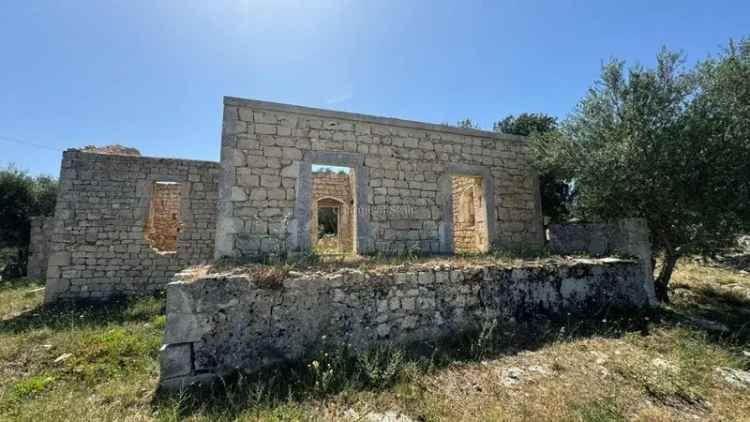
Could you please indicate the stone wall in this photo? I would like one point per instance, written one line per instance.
(334, 190)
(99, 248)
(402, 172)
(41, 232)
(217, 324)
(627, 237)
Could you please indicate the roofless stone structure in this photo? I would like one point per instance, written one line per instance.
(404, 175)
(124, 223)
(129, 225)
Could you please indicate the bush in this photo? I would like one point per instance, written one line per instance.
(21, 197)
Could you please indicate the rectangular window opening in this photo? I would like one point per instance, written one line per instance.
(163, 222)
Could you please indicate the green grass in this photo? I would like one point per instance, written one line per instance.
(94, 362)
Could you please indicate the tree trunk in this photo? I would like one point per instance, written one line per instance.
(661, 285)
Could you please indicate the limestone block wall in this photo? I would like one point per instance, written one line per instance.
(217, 324)
(402, 172)
(99, 248)
(41, 232)
(333, 189)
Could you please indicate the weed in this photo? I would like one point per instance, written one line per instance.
(485, 343)
(380, 366)
(31, 386)
(601, 410)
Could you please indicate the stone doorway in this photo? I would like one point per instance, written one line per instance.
(469, 216)
(333, 218)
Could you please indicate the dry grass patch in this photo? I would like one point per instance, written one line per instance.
(604, 369)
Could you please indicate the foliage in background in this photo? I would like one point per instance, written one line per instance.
(467, 124)
(666, 144)
(557, 194)
(21, 197)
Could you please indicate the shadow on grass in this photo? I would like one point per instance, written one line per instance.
(339, 369)
(717, 304)
(82, 314)
(734, 262)
(20, 283)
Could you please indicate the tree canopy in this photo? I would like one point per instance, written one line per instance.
(21, 197)
(556, 193)
(467, 123)
(669, 144)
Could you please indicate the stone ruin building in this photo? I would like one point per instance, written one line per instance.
(297, 180)
(402, 176)
(124, 223)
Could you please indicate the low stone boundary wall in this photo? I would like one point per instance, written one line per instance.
(626, 237)
(218, 324)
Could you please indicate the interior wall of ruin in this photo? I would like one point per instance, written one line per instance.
(163, 221)
(264, 150)
(334, 190)
(99, 246)
(469, 218)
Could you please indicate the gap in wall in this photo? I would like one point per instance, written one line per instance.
(333, 222)
(470, 233)
(163, 222)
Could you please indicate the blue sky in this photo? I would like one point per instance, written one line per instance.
(151, 74)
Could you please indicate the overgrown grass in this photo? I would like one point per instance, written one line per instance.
(272, 269)
(94, 362)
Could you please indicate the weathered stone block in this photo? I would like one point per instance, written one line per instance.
(270, 181)
(175, 360)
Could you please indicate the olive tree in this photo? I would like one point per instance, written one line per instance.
(668, 144)
(557, 194)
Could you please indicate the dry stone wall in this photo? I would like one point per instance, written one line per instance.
(217, 324)
(41, 232)
(402, 174)
(98, 246)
